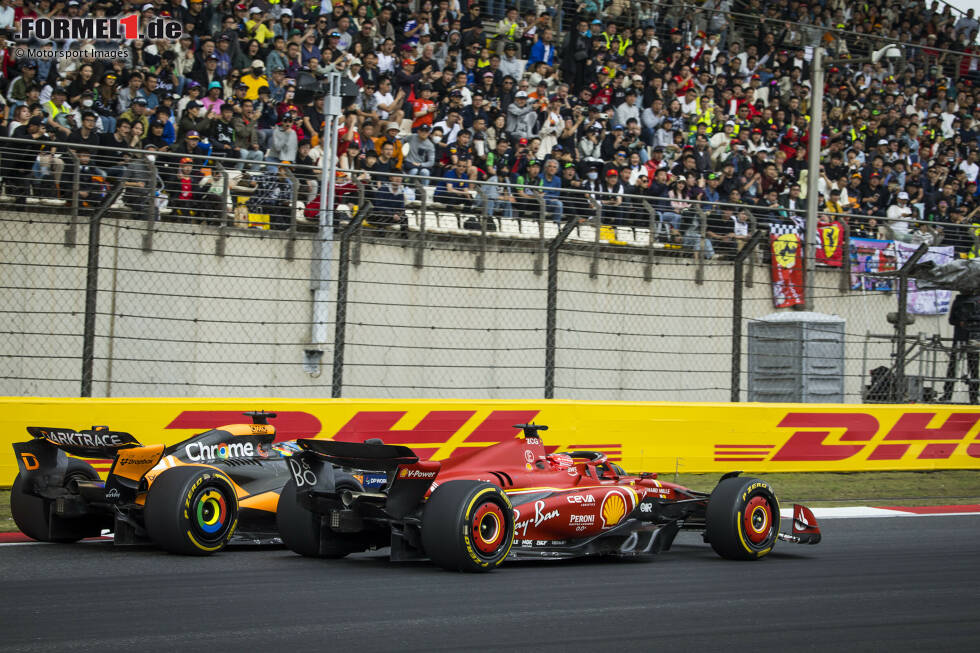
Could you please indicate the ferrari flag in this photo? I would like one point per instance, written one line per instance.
(787, 268)
(830, 250)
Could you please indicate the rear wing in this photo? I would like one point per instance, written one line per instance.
(357, 455)
(97, 442)
(408, 478)
(43, 460)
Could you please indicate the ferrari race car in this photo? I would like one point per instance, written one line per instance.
(192, 497)
(513, 500)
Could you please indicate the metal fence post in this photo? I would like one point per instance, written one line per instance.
(219, 245)
(154, 215)
(481, 254)
(845, 271)
(92, 289)
(71, 234)
(753, 254)
(291, 232)
(340, 323)
(702, 243)
(539, 254)
(594, 263)
(737, 282)
(651, 260)
(420, 238)
(900, 329)
(358, 240)
(551, 313)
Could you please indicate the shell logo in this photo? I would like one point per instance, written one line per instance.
(403, 473)
(613, 509)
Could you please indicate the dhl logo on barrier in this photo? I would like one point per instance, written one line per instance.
(439, 434)
(911, 435)
(431, 437)
(641, 436)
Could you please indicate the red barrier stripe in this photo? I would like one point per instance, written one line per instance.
(717, 459)
(934, 510)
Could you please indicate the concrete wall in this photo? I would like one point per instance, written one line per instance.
(180, 321)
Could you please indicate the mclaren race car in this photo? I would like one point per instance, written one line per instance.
(513, 500)
(192, 497)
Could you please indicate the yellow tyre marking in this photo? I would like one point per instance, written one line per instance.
(234, 524)
(496, 522)
(467, 531)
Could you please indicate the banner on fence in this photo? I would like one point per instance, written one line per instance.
(830, 239)
(641, 436)
(787, 268)
(926, 302)
(871, 256)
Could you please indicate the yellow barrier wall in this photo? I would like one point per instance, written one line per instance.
(642, 436)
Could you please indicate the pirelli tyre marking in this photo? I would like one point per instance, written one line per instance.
(476, 542)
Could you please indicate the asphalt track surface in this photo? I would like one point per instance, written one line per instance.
(907, 583)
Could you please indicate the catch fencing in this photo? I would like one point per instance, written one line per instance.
(105, 296)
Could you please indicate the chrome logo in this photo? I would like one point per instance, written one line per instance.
(211, 511)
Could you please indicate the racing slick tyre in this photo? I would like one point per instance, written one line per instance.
(468, 526)
(192, 510)
(742, 519)
(300, 528)
(32, 513)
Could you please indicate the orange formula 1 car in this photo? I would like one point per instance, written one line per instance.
(193, 497)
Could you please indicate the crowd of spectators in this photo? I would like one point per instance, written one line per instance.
(624, 100)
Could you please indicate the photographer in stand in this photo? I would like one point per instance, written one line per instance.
(964, 315)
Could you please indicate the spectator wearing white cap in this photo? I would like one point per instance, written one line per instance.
(255, 26)
(899, 215)
(254, 79)
(721, 142)
(520, 116)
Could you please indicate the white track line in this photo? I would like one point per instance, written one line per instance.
(867, 512)
(852, 512)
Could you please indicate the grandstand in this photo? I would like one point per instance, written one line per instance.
(657, 132)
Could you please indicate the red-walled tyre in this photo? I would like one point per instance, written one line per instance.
(742, 520)
(468, 526)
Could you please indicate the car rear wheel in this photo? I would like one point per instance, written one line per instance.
(32, 513)
(742, 519)
(191, 510)
(468, 526)
(301, 529)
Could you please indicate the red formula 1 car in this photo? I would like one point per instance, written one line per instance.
(513, 500)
